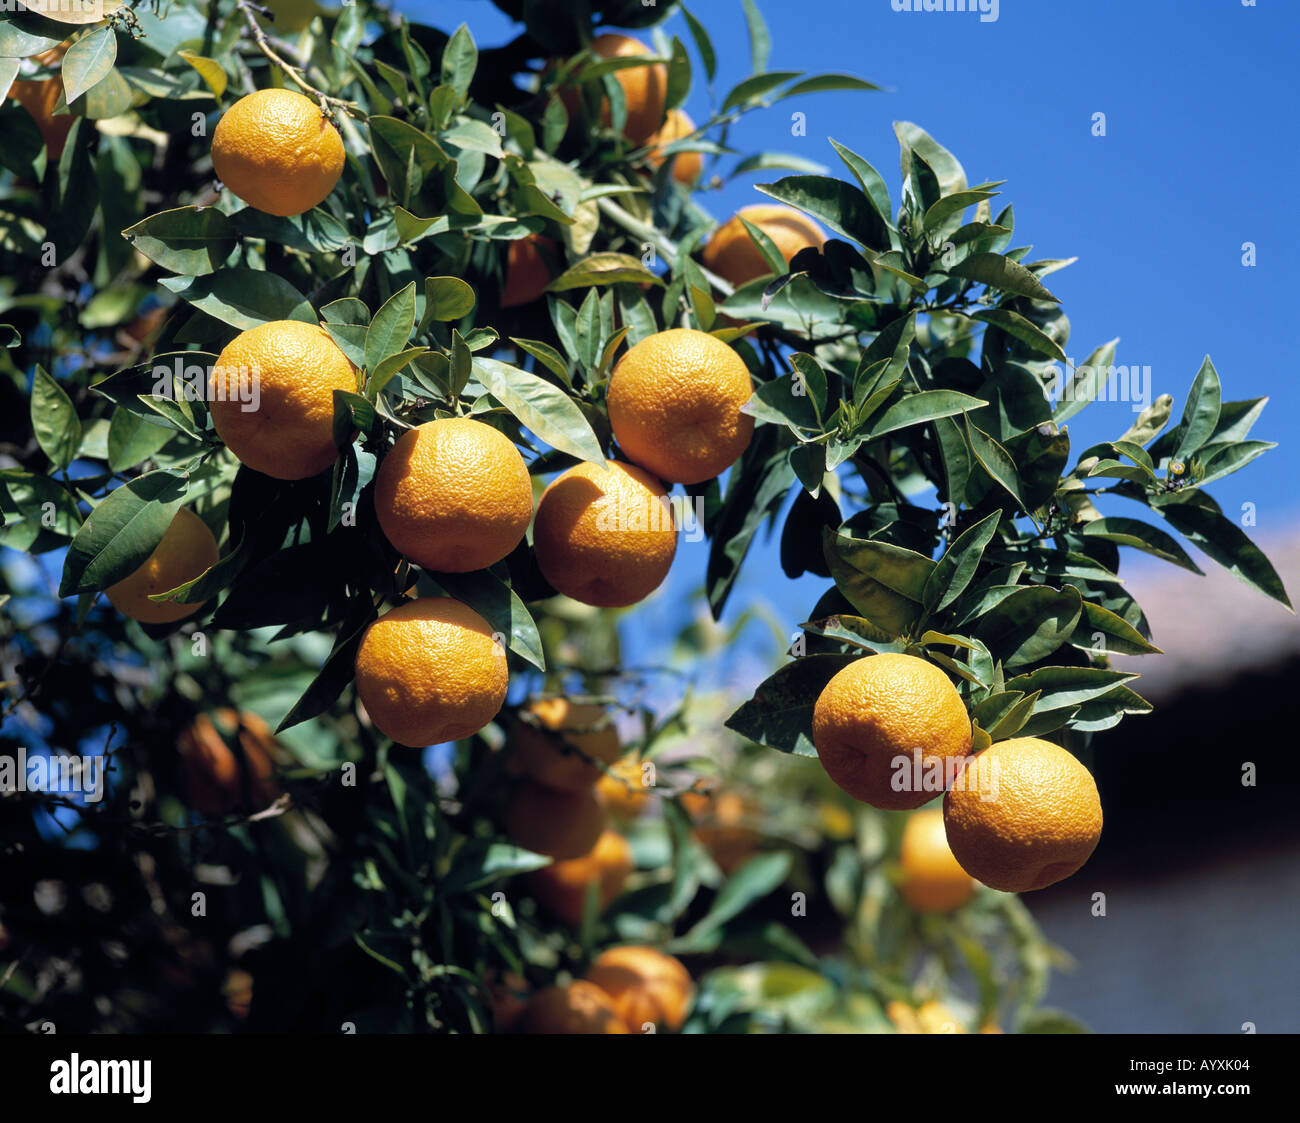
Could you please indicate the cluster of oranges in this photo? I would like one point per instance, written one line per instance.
(627, 989)
(571, 778)
(893, 732)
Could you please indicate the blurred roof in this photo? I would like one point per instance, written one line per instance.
(1215, 627)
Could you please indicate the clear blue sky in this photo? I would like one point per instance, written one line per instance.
(1199, 157)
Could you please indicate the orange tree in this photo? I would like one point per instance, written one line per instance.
(350, 363)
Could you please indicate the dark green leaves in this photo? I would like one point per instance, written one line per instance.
(780, 713)
(121, 532)
(1003, 274)
(842, 207)
(542, 407)
(54, 418)
(1201, 413)
(184, 240)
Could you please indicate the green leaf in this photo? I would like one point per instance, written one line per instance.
(1085, 382)
(1022, 329)
(703, 43)
(917, 409)
(482, 861)
(994, 459)
(1040, 455)
(891, 346)
(1030, 623)
(1001, 273)
(776, 262)
(132, 439)
(1142, 536)
(389, 367)
(760, 42)
(121, 532)
(828, 83)
(547, 355)
(752, 89)
(913, 139)
(1117, 634)
(1150, 421)
(1201, 413)
(545, 409)
(459, 61)
(391, 328)
(945, 215)
(885, 583)
(603, 269)
(751, 883)
(447, 298)
(88, 61)
(1222, 460)
(184, 240)
(1200, 520)
(854, 630)
(243, 298)
(872, 182)
(493, 599)
(956, 568)
(841, 206)
(55, 420)
(337, 673)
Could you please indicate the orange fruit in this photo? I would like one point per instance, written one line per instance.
(891, 730)
(932, 880)
(563, 824)
(507, 994)
(605, 536)
(732, 255)
(276, 150)
(645, 88)
(562, 886)
(722, 828)
(579, 1007)
(238, 992)
(646, 986)
(623, 789)
(40, 97)
(674, 405)
(930, 1017)
(527, 272)
(215, 781)
(431, 670)
(453, 495)
(567, 746)
(686, 165)
(186, 550)
(289, 371)
(935, 1017)
(1022, 815)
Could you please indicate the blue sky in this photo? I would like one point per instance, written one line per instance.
(1197, 159)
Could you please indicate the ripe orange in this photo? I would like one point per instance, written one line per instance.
(454, 495)
(508, 996)
(686, 165)
(646, 986)
(431, 670)
(623, 788)
(562, 886)
(276, 150)
(186, 550)
(563, 824)
(1022, 815)
(215, 782)
(645, 88)
(289, 370)
(40, 97)
(885, 727)
(732, 255)
(932, 879)
(930, 1017)
(567, 746)
(237, 989)
(580, 1007)
(674, 405)
(527, 273)
(722, 827)
(605, 536)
